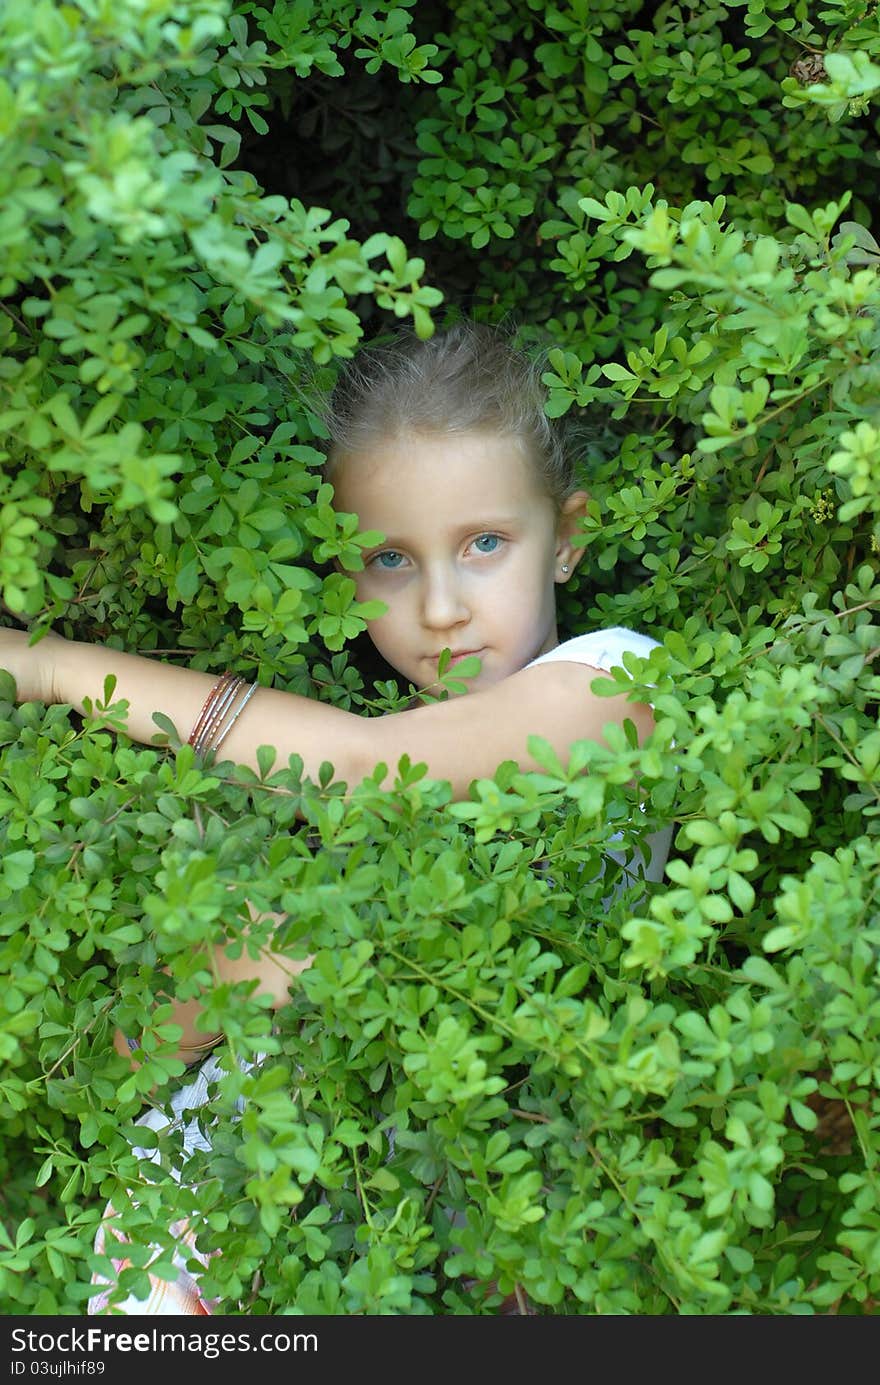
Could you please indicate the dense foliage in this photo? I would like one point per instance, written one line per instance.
(505, 1068)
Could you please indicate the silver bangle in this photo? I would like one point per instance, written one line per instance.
(225, 729)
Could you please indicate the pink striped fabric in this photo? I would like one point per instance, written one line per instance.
(180, 1297)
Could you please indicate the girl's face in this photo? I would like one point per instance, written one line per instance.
(473, 549)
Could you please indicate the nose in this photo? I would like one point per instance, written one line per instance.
(444, 603)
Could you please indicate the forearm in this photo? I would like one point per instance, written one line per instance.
(148, 685)
(293, 725)
(274, 972)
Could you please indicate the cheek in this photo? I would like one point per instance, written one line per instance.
(366, 588)
(383, 629)
(538, 579)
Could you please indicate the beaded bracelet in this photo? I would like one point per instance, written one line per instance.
(220, 712)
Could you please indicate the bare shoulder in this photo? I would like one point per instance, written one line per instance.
(468, 737)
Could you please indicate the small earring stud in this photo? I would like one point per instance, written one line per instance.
(565, 567)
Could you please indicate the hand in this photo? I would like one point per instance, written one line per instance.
(32, 666)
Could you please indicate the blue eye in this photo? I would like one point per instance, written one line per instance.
(390, 560)
(486, 543)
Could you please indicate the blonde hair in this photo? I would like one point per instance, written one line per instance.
(464, 379)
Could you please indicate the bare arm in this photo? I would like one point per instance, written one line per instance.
(293, 724)
(469, 737)
(461, 739)
(273, 973)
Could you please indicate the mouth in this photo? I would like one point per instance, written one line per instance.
(464, 654)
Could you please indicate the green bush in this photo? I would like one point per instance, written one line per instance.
(662, 1105)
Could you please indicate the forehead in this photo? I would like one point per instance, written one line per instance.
(449, 471)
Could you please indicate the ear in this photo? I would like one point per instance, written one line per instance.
(568, 555)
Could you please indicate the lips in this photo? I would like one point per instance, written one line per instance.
(463, 654)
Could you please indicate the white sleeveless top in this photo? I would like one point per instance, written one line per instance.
(604, 649)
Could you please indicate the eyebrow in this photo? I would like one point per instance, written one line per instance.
(478, 526)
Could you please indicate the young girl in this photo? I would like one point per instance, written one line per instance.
(443, 447)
